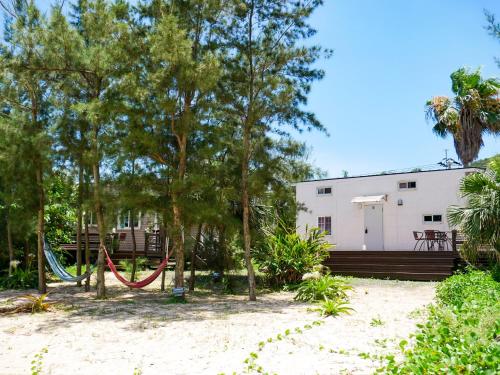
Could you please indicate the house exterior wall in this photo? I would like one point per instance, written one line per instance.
(434, 193)
(146, 223)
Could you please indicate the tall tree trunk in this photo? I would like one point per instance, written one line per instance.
(193, 257)
(79, 217)
(10, 245)
(247, 126)
(162, 233)
(245, 201)
(101, 287)
(178, 243)
(87, 253)
(42, 285)
(134, 245)
(177, 213)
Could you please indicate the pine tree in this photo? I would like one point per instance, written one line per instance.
(25, 92)
(269, 74)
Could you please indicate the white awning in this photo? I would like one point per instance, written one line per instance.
(368, 199)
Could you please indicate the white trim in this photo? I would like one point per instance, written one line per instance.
(369, 199)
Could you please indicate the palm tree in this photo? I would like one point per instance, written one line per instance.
(473, 111)
(479, 221)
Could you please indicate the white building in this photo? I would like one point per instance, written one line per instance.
(379, 212)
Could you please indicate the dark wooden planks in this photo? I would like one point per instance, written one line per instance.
(401, 265)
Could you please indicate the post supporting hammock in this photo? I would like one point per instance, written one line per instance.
(58, 268)
(138, 284)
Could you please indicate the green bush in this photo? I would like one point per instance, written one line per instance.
(286, 256)
(462, 331)
(127, 264)
(20, 279)
(325, 288)
(461, 287)
(335, 307)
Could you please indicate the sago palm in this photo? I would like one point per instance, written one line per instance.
(479, 221)
(473, 111)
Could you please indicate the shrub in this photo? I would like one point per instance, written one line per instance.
(325, 288)
(286, 256)
(127, 265)
(458, 288)
(462, 331)
(335, 307)
(20, 279)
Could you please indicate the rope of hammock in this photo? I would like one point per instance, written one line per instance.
(137, 284)
(58, 268)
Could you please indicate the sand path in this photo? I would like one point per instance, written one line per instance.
(138, 333)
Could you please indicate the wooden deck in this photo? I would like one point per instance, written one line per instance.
(400, 265)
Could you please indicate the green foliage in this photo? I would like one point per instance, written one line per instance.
(461, 334)
(472, 112)
(456, 290)
(127, 265)
(479, 221)
(325, 288)
(376, 322)
(20, 279)
(37, 362)
(333, 307)
(286, 255)
(37, 303)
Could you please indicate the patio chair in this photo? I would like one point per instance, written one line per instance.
(430, 238)
(419, 238)
(442, 240)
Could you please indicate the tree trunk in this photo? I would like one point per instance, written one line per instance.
(134, 245)
(87, 253)
(193, 258)
(177, 211)
(247, 126)
(101, 287)
(246, 217)
(178, 243)
(10, 245)
(79, 224)
(42, 285)
(162, 233)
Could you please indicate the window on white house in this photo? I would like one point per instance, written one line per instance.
(125, 219)
(405, 185)
(325, 224)
(434, 218)
(325, 190)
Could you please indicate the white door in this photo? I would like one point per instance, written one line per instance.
(374, 229)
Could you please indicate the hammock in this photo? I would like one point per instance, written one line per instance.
(138, 284)
(58, 268)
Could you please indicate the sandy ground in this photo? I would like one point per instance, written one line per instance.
(136, 332)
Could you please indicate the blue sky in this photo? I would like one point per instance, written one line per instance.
(390, 56)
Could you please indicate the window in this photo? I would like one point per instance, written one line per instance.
(324, 190)
(124, 220)
(405, 185)
(435, 218)
(91, 219)
(325, 224)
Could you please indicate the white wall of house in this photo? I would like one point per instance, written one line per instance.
(435, 191)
